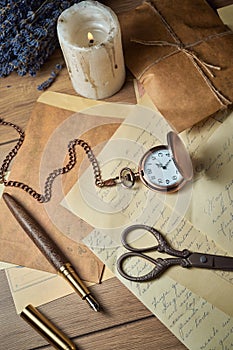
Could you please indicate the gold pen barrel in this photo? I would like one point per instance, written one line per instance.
(68, 272)
(47, 329)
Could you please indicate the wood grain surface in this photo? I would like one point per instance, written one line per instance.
(124, 322)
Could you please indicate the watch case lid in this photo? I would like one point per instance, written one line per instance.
(180, 155)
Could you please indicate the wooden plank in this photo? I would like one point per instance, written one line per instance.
(124, 321)
(18, 94)
(143, 334)
(71, 314)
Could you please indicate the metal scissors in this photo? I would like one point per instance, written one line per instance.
(184, 258)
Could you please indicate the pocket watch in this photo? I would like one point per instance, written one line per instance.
(163, 168)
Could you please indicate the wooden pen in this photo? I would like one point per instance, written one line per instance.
(49, 249)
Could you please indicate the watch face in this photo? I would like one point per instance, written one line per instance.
(158, 171)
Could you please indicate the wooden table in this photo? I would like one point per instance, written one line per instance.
(125, 323)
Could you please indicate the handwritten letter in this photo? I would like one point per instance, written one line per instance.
(197, 323)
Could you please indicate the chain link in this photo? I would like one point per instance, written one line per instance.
(43, 198)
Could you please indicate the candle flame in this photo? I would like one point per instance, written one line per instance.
(90, 37)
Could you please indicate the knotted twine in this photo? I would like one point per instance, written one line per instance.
(202, 67)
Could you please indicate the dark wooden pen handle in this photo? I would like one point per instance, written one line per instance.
(37, 234)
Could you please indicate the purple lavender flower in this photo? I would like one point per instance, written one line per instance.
(28, 34)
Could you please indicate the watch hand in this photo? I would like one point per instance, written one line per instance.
(159, 165)
(165, 166)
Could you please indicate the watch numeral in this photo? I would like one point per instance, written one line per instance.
(149, 171)
(167, 181)
(160, 154)
(174, 177)
(160, 181)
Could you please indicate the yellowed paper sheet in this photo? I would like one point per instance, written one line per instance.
(211, 148)
(113, 209)
(196, 322)
(4, 266)
(142, 97)
(211, 207)
(76, 104)
(35, 287)
(226, 15)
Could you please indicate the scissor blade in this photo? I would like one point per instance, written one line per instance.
(208, 261)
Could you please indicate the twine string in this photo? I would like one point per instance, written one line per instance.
(204, 68)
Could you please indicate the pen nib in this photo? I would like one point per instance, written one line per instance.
(92, 302)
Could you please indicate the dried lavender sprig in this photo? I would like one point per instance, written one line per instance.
(51, 79)
(28, 34)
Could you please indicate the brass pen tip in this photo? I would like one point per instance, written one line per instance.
(92, 302)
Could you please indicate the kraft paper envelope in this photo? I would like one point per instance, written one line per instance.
(182, 54)
(15, 246)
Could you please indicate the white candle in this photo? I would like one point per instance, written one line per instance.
(90, 38)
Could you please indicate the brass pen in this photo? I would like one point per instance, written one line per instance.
(47, 329)
(49, 249)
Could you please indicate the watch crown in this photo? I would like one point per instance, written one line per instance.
(128, 177)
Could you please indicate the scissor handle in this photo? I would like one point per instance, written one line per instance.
(160, 266)
(162, 247)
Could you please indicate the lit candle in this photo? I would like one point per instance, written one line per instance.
(90, 39)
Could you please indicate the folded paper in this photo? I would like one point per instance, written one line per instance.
(182, 53)
(15, 246)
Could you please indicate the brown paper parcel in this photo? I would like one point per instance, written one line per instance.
(183, 55)
(15, 246)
